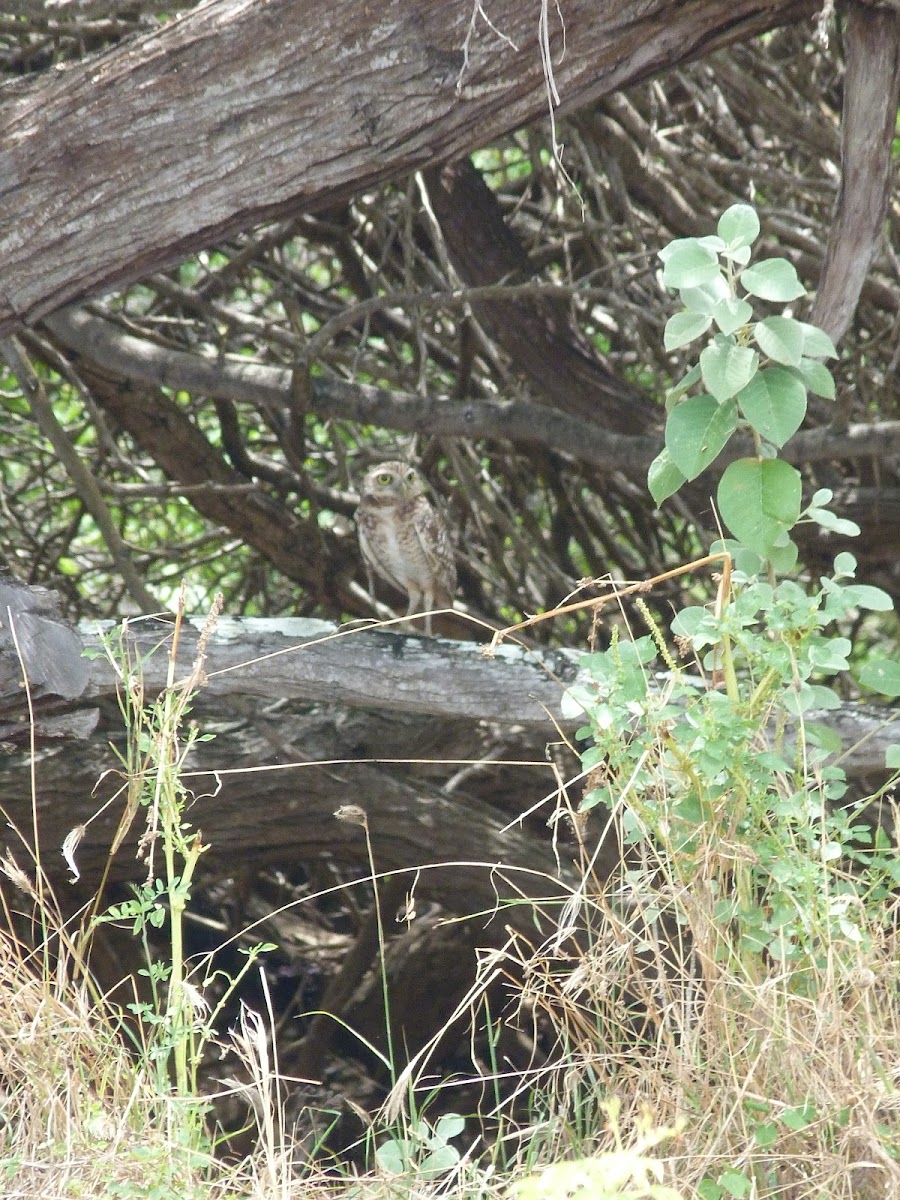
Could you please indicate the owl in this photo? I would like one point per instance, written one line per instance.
(404, 539)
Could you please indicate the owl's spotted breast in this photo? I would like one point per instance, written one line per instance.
(404, 539)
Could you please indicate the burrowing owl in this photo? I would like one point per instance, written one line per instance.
(404, 539)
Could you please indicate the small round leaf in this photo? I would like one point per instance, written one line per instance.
(738, 225)
(683, 327)
(773, 279)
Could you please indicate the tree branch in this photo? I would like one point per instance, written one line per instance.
(508, 420)
(871, 96)
(213, 122)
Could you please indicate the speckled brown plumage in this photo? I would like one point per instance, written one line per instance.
(404, 539)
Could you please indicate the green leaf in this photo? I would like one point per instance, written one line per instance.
(690, 265)
(816, 342)
(731, 314)
(863, 595)
(774, 402)
(450, 1125)
(845, 564)
(738, 226)
(727, 367)
(882, 675)
(830, 654)
(809, 696)
(816, 377)
(781, 338)
(823, 736)
(711, 241)
(683, 327)
(696, 431)
(759, 501)
(708, 1189)
(773, 279)
(684, 383)
(783, 559)
(735, 1183)
(892, 757)
(829, 520)
(798, 1118)
(705, 297)
(663, 478)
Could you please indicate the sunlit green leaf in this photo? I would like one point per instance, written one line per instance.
(731, 314)
(690, 265)
(738, 225)
(773, 279)
(781, 338)
(705, 297)
(864, 595)
(727, 367)
(829, 520)
(683, 327)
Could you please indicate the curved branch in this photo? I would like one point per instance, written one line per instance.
(509, 420)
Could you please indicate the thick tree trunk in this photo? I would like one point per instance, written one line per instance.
(241, 111)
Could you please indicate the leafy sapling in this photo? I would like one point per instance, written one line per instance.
(754, 374)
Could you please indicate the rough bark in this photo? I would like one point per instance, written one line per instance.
(176, 139)
(871, 96)
(442, 748)
(269, 796)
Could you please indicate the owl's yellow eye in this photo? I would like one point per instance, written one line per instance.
(385, 477)
(410, 476)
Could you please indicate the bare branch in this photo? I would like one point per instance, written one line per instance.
(509, 420)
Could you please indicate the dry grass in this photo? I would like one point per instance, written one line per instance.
(782, 1094)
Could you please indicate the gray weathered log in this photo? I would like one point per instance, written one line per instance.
(239, 112)
(267, 660)
(38, 645)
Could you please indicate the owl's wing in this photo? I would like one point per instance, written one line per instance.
(434, 538)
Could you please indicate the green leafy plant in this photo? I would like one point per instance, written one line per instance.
(724, 769)
(424, 1150)
(755, 372)
(175, 1024)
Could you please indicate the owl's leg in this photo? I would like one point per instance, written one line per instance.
(428, 605)
(418, 602)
